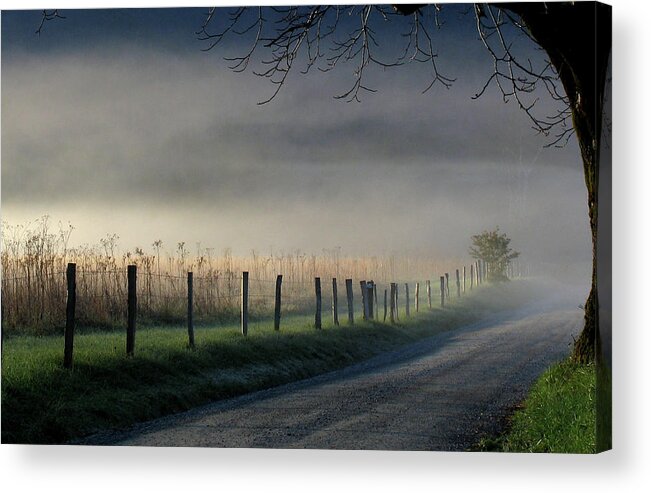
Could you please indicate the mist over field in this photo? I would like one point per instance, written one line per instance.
(121, 135)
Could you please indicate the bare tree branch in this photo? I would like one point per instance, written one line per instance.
(48, 15)
(313, 36)
(522, 81)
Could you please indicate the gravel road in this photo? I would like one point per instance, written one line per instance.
(441, 393)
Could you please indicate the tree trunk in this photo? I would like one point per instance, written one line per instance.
(584, 346)
(577, 38)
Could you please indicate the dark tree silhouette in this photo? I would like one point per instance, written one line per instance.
(575, 36)
(492, 248)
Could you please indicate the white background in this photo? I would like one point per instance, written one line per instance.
(626, 468)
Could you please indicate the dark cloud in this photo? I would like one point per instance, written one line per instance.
(152, 125)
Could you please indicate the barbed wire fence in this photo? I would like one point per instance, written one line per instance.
(58, 301)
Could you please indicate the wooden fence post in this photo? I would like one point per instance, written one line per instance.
(362, 285)
(447, 285)
(71, 278)
(317, 292)
(406, 299)
(442, 291)
(429, 294)
(190, 306)
(392, 310)
(277, 305)
(385, 305)
(377, 307)
(131, 309)
(464, 279)
(458, 284)
(369, 294)
(349, 299)
(396, 303)
(335, 310)
(416, 296)
(245, 303)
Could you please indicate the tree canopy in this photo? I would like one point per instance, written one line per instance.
(492, 248)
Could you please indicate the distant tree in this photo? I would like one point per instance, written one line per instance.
(492, 248)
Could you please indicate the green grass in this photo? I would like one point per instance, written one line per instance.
(43, 403)
(558, 416)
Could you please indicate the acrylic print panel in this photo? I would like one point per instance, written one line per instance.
(327, 227)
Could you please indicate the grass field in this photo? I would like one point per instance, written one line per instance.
(43, 403)
(558, 416)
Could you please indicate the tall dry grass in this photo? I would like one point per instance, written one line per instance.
(34, 259)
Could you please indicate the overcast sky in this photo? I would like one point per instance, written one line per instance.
(117, 122)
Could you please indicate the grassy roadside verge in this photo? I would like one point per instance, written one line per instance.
(42, 403)
(558, 416)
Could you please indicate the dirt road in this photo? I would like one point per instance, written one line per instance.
(442, 393)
